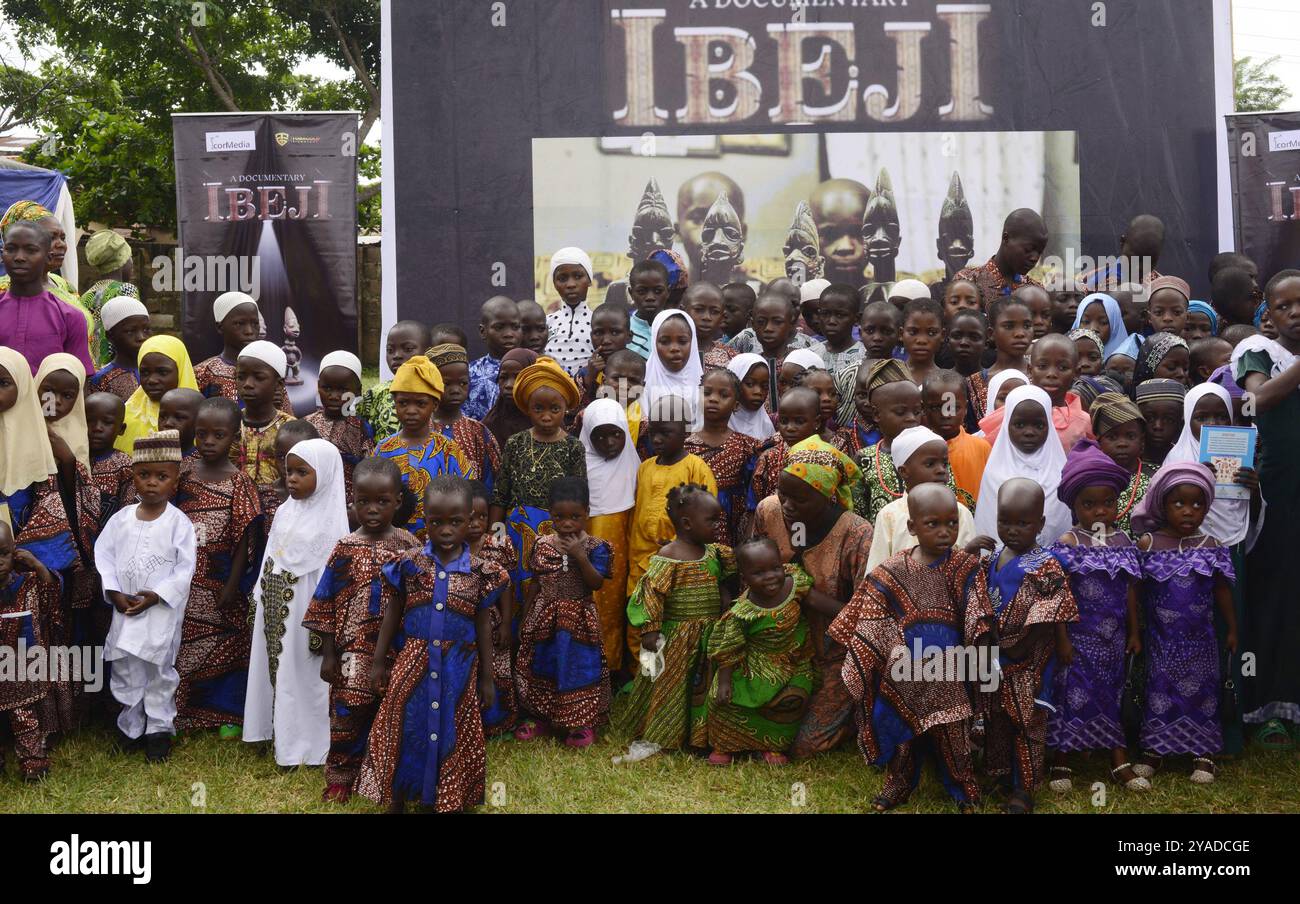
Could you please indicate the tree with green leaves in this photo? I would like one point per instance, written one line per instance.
(101, 78)
(1256, 88)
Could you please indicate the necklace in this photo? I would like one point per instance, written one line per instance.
(880, 476)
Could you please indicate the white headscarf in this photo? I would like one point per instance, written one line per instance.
(269, 354)
(612, 484)
(72, 426)
(228, 301)
(995, 386)
(751, 423)
(805, 358)
(906, 443)
(25, 455)
(342, 359)
(570, 255)
(1228, 519)
(1043, 467)
(304, 531)
(661, 382)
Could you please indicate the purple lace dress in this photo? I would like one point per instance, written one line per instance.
(1087, 693)
(1182, 704)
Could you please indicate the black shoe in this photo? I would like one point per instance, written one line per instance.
(157, 747)
(125, 744)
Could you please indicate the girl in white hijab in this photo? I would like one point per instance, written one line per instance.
(71, 427)
(1042, 465)
(995, 387)
(756, 422)
(611, 484)
(1228, 519)
(661, 379)
(287, 701)
(25, 455)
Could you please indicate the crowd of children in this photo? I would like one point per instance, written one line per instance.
(727, 521)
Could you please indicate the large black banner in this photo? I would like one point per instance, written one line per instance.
(513, 129)
(266, 204)
(1264, 153)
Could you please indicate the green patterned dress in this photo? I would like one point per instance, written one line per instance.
(773, 677)
(680, 600)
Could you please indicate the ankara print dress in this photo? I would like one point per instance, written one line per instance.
(523, 489)
(1132, 495)
(349, 436)
(216, 639)
(727, 462)
(120, 381)
(60, 528)
(1182, 693)
(347, 606)
(21, 600)
(427, 741)
(562, 675)
(903, 603)
(1087, 693)
(420, 464)
(771, 654)
(501, 716)
(1029, 591)
(112, 476)
(254, 454)
(477, 444)
(680, 600)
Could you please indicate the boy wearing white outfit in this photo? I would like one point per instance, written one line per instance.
(145, 558)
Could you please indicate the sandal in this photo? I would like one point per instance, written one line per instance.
(718, 758)
(1146, 770)
(772, 758)
(530, 731)
(339, 794)
(1019, 803)
(1061, 781)
(966, 806)
(230, 732)
(1272, 735)
(1202, 770)
(580, 737)
(882, 804)
(1137, 783)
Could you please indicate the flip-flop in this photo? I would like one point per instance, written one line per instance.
(1019, 803)
(529, 731)
(718, 758)
(772, 758)
(1272, 735)
(230, 732)
(580, 737)
(339, 794)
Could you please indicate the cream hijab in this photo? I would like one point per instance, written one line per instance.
(25, 455)
(661, 382)
(1042, 466)
(751, 423)
(304, 531)
(611, 483)
(72, 426)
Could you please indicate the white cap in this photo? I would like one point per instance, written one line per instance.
(911, 439)
(227, 302)
(909, 290)
(267, 353)
(813, 289)
(342, 359)
(115, 310)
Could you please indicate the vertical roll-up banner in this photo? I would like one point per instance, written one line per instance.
(1264, 155)
(266, 204)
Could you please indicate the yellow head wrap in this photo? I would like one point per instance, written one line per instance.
(418, 374)
(545, 373)
(142, 411)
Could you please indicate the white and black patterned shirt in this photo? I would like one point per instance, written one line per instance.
(570, 336)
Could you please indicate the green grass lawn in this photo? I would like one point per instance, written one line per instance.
(207, 774)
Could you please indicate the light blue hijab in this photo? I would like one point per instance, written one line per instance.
(1118, 334)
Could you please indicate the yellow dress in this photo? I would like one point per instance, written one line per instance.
(611, 598)
(651, 526)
